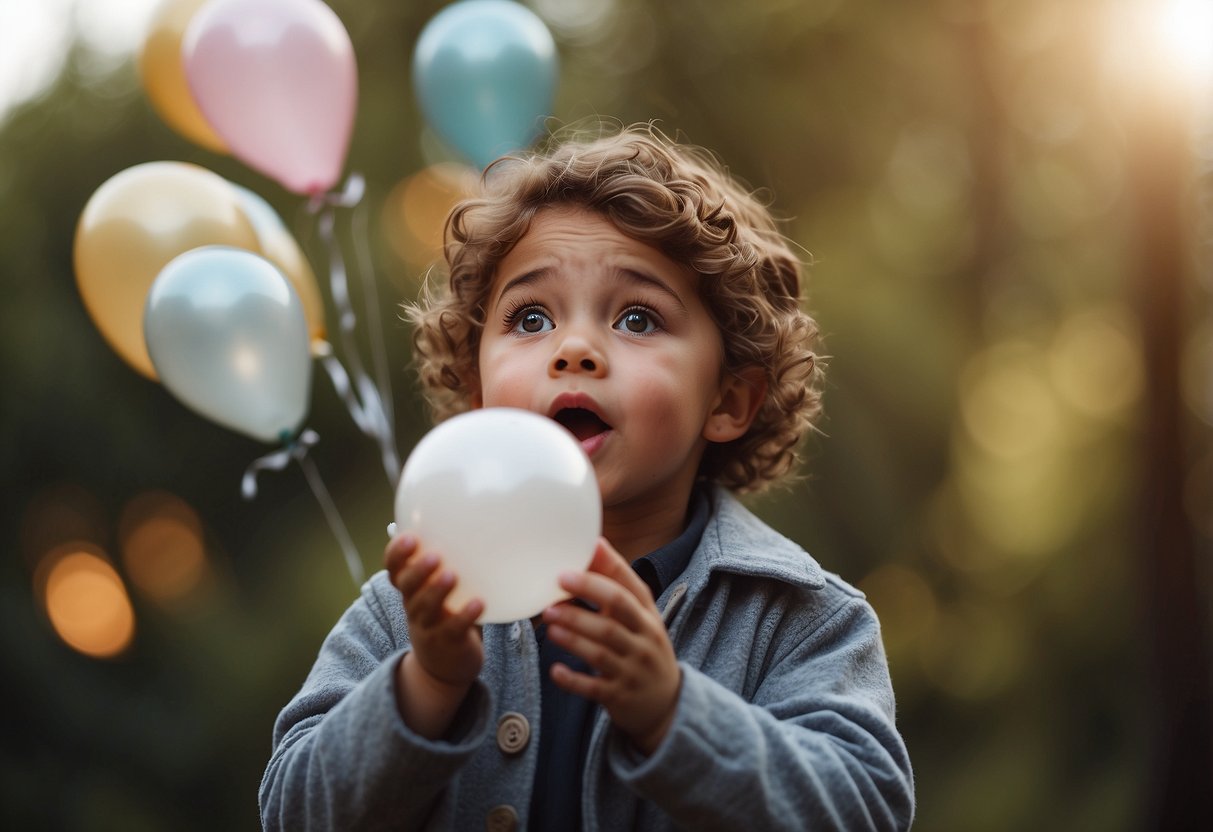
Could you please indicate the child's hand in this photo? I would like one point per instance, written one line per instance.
(447, 649)
(625, 642)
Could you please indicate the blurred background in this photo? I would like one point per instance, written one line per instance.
(1008, 205)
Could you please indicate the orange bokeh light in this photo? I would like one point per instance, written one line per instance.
(415, 212)
(162, 546)
(86, 601)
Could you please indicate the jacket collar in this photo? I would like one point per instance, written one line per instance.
(737, 541)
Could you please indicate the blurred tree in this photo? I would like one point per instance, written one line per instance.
(1175, 575)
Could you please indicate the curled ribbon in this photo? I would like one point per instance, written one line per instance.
(297, 449)
(276, 461)
(368, 401)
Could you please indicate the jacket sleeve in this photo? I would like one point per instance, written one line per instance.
(816, 749)
(342, 757)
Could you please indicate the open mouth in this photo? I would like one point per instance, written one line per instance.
(580, 422)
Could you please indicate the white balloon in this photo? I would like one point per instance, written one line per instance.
(227, 335)
(508, 500)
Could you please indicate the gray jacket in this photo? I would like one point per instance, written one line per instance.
(784, 719)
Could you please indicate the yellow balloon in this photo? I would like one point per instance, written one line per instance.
(163, 73)
(132, 226)
(278, 246)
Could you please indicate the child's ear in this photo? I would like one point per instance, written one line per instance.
(741, 394)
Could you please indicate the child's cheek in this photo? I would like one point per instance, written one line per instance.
(503, 383)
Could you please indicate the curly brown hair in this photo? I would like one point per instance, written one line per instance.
(682, 201)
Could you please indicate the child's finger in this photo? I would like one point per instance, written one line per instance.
(398, 550)
(604, 592)
(591, 625)
(596, 654)
(427, 606)
(415, 573)
(606, 561)
(581, 684)
(466, 617)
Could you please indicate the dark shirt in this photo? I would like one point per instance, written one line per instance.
(567, 719)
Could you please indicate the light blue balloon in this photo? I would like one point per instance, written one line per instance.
(485, 75)
(228, 337)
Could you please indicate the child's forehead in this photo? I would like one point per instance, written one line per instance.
(570, 241)
(564, 224)
(572, 233)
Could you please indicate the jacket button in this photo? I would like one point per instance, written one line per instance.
(501, 818)
(513, 732)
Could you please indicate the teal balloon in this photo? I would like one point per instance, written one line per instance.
(227, 335)
(484, 72)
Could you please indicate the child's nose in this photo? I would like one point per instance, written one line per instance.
(575, 354)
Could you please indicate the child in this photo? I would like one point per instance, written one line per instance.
(709, 674)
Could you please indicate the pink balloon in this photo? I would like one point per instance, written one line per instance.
(278, 82)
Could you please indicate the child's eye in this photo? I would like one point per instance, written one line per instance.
(530, 321)
(637, 321)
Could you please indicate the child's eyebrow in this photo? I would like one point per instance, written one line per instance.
(524, 280)
(643, 279)
(625, 274)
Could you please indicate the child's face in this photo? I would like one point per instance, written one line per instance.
(609, 337)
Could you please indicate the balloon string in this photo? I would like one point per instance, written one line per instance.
(297, 450)
(362, 258)
(341, 383)
(371, 415)
(352, 560)
(276, 461)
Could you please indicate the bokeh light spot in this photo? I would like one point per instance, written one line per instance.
(162, 546)
(1024, 476)
(1006, 403)
(416, 209)
(577, 20)
(1095, 362)
(1027, 508)
(87, 603)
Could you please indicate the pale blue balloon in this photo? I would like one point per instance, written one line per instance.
(228, 337)
(485, 75)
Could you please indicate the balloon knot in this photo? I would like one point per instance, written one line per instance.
(348, 196)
